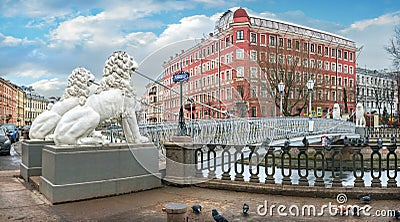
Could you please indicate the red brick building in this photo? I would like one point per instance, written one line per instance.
(237, 70)
(8, 102)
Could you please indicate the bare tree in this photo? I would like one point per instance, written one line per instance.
(294, 66)
(394, 47)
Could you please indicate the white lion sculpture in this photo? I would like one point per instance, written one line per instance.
(114, 99)
(75, 94)
(336, 111)
(360, 119)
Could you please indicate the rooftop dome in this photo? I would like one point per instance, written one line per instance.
(240, 15)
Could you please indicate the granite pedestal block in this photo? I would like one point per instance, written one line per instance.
(31, 161)
(71, 173)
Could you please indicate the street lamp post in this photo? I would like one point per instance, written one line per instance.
(281, 88)
(180, 77)
(310, 86)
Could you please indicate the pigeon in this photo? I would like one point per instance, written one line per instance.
(397, 214)
(196, 208)
(366, 198)
(380, 142)
(218, 217)
(245, 209)
(266, 142)
(305, 141)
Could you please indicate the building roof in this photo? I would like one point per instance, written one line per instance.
(240, 13)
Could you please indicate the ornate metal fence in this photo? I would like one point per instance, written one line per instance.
(358, 164)
(376, 132)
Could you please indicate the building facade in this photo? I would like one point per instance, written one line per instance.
(151, 104)
(8, 102)
(34, 105)
(236, 70)
(20, 106)
(378, 92)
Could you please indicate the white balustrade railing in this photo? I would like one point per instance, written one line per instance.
(238, 131)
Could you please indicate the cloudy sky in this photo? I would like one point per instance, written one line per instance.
(42, 41)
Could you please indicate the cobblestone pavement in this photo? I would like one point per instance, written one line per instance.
(20, 203)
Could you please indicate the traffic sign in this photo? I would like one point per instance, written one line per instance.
(180, 76)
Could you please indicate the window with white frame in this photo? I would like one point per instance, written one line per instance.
(272, 58)
(327, 66)
(305, 62)
(289, 59)
(253, 55)
(319, 64)
(312, 63)
(280, 42)
(289, 43)
(253, 37)
(253, 72)
(333, 66)
(312, 47)
(272, 40)
(297, 61)
(263, 92)
(339, 67)
(253, 90)
(228, 93)
(227, 59)
(351, 69)
(280, 59)
(346, 69)
(319, 79)
(263, 39)
(239, 53)
(240, 72)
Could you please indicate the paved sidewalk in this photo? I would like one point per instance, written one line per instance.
(20, 203)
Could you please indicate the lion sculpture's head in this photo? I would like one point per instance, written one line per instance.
(336, 111)
(78, 84)
(117, 73)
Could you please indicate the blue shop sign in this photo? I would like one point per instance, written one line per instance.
(181, 76)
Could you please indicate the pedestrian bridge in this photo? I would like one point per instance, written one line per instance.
(245, 131)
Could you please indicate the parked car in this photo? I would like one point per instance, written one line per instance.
(5, 143)
(12, 132)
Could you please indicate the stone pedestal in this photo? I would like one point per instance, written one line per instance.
(176, 212)
(71, 173)
(31, 161)
(180, 162)
(361, 131)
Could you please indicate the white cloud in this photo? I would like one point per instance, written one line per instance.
(383, 20)
(32, 71)
(374, 34)
(10, 41)
(187, 28)
(48, 84)
(49, 87)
